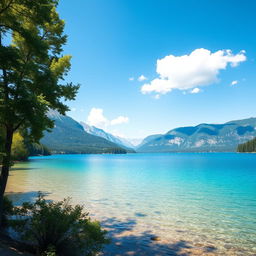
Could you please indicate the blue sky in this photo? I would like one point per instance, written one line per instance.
(112, 41)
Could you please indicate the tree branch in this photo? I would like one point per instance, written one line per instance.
(6, 7)
(18, 125)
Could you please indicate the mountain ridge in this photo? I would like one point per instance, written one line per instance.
(68, 136)
(202, 137)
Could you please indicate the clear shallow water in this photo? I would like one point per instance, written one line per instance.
(198, 203)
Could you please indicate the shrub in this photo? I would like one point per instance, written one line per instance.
(8, 210)
(58, 228)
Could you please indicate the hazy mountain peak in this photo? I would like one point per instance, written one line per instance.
(101, 133)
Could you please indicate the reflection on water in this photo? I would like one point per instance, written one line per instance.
(198, 203)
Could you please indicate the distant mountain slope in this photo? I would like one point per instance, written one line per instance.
(134, 141)
(68, 136)
(202, 138)
(108, 136)
(148, 139)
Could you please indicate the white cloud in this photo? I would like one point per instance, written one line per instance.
(234, 82)
(157, 96)
(120, 120)
(142, 78)
(200, 68)
(195, 90)
(96, 118)
(131, 78)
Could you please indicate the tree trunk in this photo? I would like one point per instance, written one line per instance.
(6, 162)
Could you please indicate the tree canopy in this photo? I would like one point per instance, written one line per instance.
(32, 71)
(32, 65)
(249, 146)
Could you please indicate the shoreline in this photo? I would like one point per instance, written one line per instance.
(128, 239)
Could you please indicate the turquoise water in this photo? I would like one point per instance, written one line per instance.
(207, 200)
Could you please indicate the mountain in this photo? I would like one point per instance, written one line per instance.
(101, 133)
(148, 139)
(134, 141)
(202, 138)
(68, 136)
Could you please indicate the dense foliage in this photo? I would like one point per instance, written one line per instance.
(115, 151)
(8, 211)
(37, 149)
(22, 148)
(32, 71)
(19, 149)
(58, 227)
(249, 146)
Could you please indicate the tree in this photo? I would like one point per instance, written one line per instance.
(32, 67)
(249, 146)
(37, 149)
(19, 150)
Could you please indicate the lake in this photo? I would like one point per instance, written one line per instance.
(196, 203)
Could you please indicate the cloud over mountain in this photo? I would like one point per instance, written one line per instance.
(96, 118)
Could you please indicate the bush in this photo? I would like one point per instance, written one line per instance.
(58, 228)
(8, 210)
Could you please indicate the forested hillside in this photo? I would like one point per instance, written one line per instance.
(249, 146)
(69, 137)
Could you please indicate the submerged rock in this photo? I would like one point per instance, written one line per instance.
(155, 238)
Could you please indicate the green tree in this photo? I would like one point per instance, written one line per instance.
(249, 146)
(32, 72)
(19, 150)
(36, 149)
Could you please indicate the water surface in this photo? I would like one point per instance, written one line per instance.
(197, 203)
